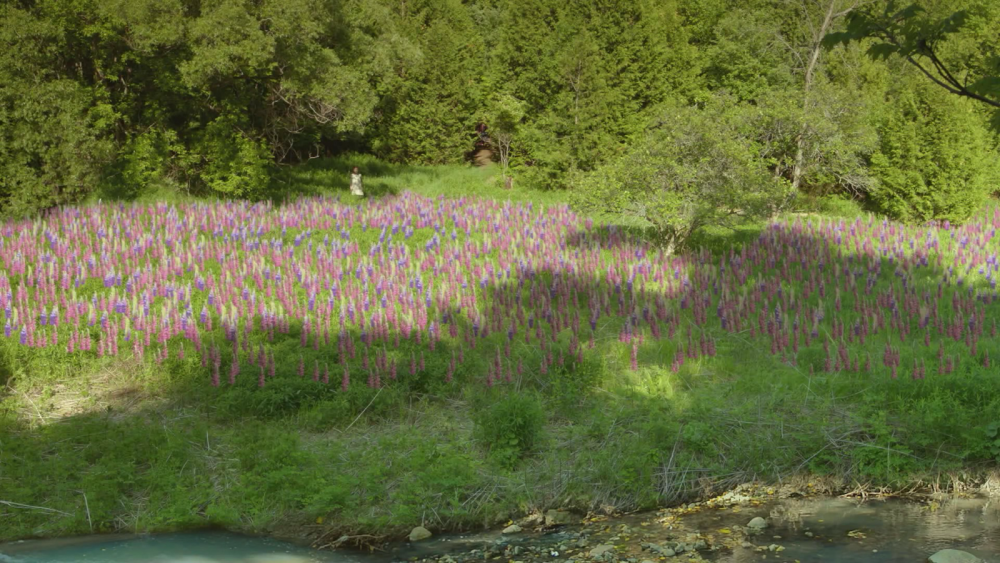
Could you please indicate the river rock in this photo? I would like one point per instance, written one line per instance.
(419, 533)
(953, 556)
(512, 529)
(599, 551)
(558, 517)
(757, 524)
(659, 549)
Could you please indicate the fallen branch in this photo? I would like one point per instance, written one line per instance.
(31, 507)
(364, 409)
(363, 540)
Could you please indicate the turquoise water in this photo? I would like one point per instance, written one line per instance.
(199, 547)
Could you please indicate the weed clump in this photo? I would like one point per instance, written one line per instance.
(510, 428)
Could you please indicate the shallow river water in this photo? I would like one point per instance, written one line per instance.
(817, 529)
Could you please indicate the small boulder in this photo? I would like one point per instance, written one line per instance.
(600, 550)
(659, 549)
(512, 529)
(953, 556)
(558, 517)
(757, 524)
(419, 533)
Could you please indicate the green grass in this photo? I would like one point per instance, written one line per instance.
(109, 444)
(330, 176)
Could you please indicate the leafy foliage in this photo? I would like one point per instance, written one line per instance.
(698, 167)
(916, 35)
(935, 159)
(510, 427)
(206, 94)
(992, 433)
(213, 97)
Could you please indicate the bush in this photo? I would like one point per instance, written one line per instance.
(937, 158)
(235, 164)
(511, 427)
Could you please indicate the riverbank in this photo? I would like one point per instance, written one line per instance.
(150, 462)
(749, 523)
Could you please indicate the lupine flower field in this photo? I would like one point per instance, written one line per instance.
(447, 291)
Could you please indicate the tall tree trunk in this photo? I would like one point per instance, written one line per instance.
(814, 53)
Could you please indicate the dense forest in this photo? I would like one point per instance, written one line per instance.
(735, 101)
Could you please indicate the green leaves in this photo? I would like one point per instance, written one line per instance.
(511, 427)
(921, 38)
(883, 50)
(992, 432)
(987, 86)
(53, 143)
(207, 93)
(700, 167)
(936, 159)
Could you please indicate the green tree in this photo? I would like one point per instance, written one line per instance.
(54, 132)
(699, 167)
(430, 116)
(505, 112)
(206, 93)
(770, 54)
(936, 157)
(591, 74)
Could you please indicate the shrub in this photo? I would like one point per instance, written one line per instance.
(511, 427)
(236, 165)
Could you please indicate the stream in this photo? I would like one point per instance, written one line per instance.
(821, 529)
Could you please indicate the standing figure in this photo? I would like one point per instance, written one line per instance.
(483, 138)
(356, 182)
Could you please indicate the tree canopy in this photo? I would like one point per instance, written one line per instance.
(211, 96)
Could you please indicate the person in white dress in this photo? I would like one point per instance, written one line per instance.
(356, 182)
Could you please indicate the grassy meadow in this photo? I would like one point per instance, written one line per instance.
(449, 353)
